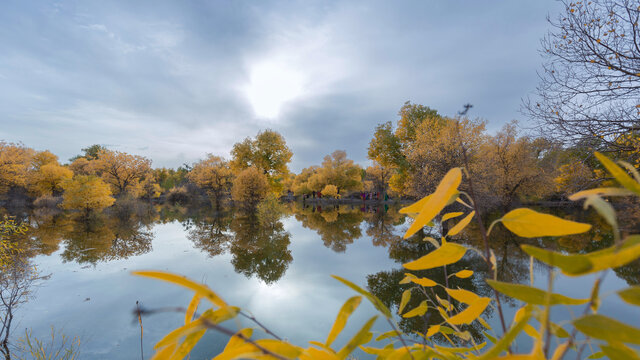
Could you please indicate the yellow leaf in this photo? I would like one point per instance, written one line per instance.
(604, 328)
(508, 338)
(200, 289)
(362, 337)
(191, 309)
(165, 353)
(617, 172)
(249, 350)
(600, 191)
(386, 335)
(461, 225)
(448, 253)
(447, 188)
(559, 351)
(407, 278)
(463, 274)
(450, 215)
(347, 309)
(433, 330)
(529, 223)
(631, 295)
(472, 312)
(209, 316)
(424, 282)
(618, 351)
(237, 339)
(532, 295)
(406, 296)
(317, 354)
(187, 345)
(574, 265)
(415, 207)
(418, 311)
(374, 300)
(433, 241)
(464, 296)
(484, 323)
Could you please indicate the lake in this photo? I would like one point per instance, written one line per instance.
(277, 269)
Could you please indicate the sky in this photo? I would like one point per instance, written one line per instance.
(175, 80)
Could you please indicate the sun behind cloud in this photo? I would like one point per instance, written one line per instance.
(271, 85)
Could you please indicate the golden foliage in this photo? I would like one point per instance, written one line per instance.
(15, 162)
(268, 152)
(212, 174)
(86, 192)
(330, 191)
(122, 171)
(249, 187)
(49, 179)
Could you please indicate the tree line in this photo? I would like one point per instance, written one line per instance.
(408, 159)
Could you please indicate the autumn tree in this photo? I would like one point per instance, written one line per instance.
(214, 175)
(340, 171)
(122, 171)
(330, 191)
(15, 162)
(390, 149)
(438, 147)
(301, 181)
(573, 177)
(511, 167)
(49, 179)
(42, 158)
(88, 193)
(590, 85)
(249, 187)
(82, 166)
(268, 152)
(379, 177)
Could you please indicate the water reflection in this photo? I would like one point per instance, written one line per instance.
(338, 226)
(260, 247)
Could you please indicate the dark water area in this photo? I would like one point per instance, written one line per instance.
(275, 266)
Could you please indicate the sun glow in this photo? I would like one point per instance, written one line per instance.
(271, 85)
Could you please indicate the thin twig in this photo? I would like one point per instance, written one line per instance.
(480, 223)
(574, 332)
(141, 329)
(231, 333)
(404, 343)
(252, 318)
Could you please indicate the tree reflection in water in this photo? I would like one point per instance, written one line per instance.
(259, 246)
(338, 226)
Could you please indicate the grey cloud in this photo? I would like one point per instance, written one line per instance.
(164, 79)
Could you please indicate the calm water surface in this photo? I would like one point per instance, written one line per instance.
(276, 267)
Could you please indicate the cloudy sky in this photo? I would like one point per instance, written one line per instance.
(174, 80)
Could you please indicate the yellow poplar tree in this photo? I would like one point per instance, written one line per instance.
(214, 175)
(122, 171)
(15, 160)
(88, 193)
(250, 187)
(49, 179)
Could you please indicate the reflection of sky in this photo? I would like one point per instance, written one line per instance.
(301, 306)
